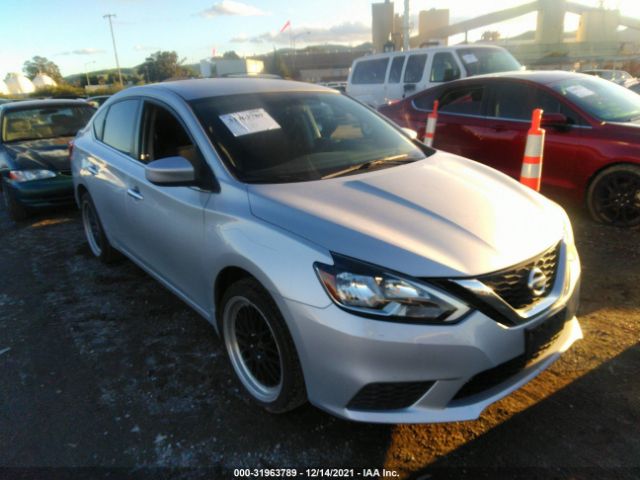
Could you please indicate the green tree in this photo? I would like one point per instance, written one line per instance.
(162, 65)
(231, 55)
(37, 65)
(279, 66)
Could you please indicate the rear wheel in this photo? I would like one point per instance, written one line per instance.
(260, 347)
(15, 209)
(614, 196)
(93, 231)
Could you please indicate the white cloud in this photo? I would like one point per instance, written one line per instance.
(83, 51)
(346, 32)
(229, 7)
(87, 51)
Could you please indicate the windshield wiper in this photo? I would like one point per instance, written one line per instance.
(393, 159)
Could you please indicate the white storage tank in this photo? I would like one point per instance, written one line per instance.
(42, 81)
(18, 84)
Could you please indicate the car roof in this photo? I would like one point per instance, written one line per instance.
(216, 87)
(435, 48)
(27, 104)
(544, 77)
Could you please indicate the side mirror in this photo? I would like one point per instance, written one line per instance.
(409, 87)
(171, 171)
(410, 133)
(554, 120)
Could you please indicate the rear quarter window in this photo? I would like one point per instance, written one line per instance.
(368, 72)
(98, 124)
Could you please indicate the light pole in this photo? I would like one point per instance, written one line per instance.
(109, 16)
(405, 27)
(86, 72)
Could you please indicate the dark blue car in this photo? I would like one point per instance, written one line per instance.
(34, 159)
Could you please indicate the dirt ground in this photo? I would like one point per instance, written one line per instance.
(104, 374)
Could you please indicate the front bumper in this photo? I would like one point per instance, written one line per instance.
(342, 355)
(48, 192)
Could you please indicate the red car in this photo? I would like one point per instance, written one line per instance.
(592, 148)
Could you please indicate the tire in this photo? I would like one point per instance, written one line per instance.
(613, 197)
(15, 210)
(94, 232)
(260, 347)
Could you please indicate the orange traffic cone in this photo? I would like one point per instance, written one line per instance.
(531, 174)
(430, 129)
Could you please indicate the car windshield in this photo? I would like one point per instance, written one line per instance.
(602, 99)
(300, 136)
(478, 61)
(44, 122)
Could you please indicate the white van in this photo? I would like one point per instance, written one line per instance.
(377, 79)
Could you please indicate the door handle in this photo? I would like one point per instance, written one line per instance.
(135, 193)
(93, 169)
(499, 128)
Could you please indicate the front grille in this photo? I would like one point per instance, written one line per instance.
(388, 396)
(537, 341)
(511, 284)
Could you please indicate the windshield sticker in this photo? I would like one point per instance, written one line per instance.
(249, 121)
(469, 58)
(580, 91)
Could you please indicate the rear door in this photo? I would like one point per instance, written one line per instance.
(460, 125)
(104, 168)
(167, 222)
(414, 73)
(394, 86)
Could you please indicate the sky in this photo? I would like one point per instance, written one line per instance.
(74, 34)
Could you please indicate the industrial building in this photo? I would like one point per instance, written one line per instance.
(599, 37)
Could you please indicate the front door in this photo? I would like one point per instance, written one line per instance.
(508, 119)
(167, 222)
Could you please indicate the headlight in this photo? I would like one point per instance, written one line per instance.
(573, 259)
(568, 230)
(28, 175)
(373, 291)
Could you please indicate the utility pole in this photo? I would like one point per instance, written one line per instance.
(405, 27)
(109, 16)
(86, 72)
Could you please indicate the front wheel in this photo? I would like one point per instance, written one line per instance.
(94, 232)
(614, 196)
(260, 347)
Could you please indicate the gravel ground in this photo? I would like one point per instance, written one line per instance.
(104, 374)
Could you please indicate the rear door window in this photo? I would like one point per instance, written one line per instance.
(395, 73)
(370, 72)
(444, 68)
(463, 100)
(121, 125)
(415, 68)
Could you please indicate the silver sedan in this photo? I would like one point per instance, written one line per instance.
(341, 261)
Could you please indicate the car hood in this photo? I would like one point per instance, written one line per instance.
(49, 154)
(441, 217)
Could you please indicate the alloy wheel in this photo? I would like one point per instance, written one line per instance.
(92, 227)
(253, 349)
(617, 198)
